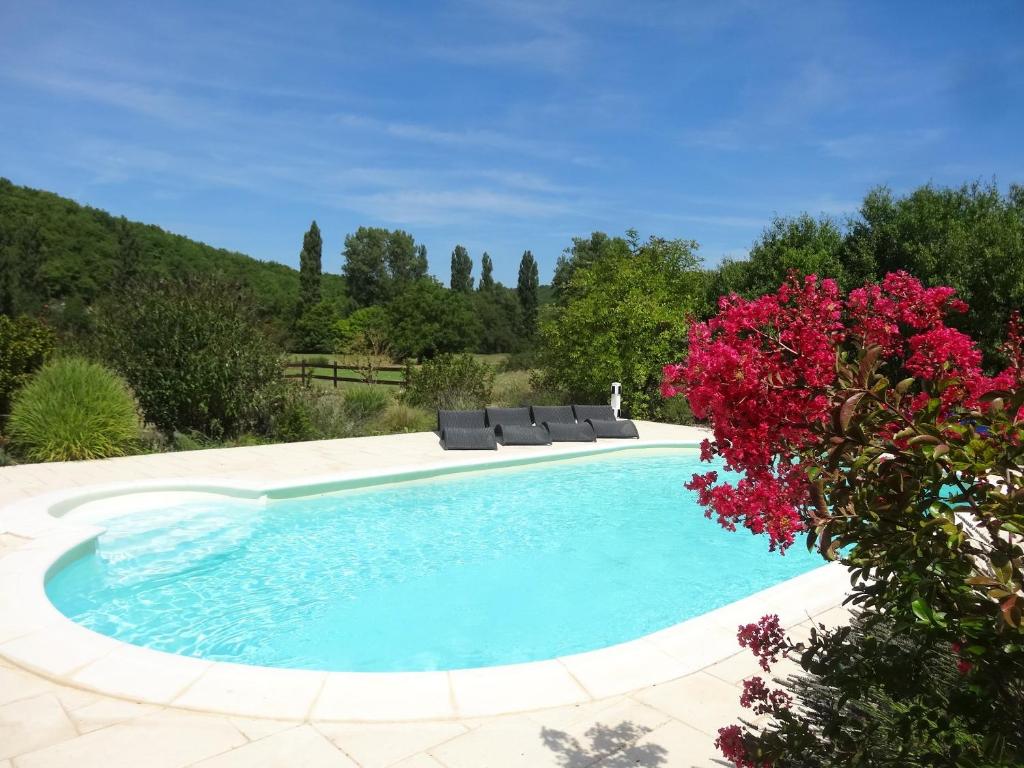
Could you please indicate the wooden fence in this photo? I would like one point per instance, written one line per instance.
(305, 370)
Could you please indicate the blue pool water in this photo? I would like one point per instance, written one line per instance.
(465, 570)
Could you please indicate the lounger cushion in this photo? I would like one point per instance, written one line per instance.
(552, 414)
(468, 439)
(618, 429)
(513, 434)
(570, 433)
(519, 417)
(463, 419)
(594, 412)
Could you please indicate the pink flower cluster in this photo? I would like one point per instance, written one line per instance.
(763, 372)
(732, 746)
(762, 699)
(766, 640)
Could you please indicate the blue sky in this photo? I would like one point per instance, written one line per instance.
(502, 125)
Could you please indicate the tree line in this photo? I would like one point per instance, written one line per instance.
(393, 305)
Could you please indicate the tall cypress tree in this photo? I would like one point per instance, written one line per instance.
(462, 270)
(529, 282)
(486, 273)
(310, 268)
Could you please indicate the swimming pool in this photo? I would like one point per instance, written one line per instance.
(466, 570)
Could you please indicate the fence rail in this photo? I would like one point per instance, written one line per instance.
(308, 370)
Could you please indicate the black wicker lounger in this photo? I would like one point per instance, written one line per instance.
(465, 430)
(561, 424)
(514, 426)
(602, 419)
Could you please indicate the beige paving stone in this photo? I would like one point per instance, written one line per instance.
(16, 684)
(299, 746)
(736, 668)
(258, 728)
(164, 740)
(397, 696)
(141, 674)
(378, 745)
(507, 743)
(495, 690)
(59, 649)
(75, 698)
(107, 711)
(615, 712)
(285, 694)
(31, 724)
(673, 745)
(699, 700)
(419, 761)
(622, 668)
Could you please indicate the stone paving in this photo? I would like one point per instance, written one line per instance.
(47, 724)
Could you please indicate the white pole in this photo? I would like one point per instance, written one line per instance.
(616, 401)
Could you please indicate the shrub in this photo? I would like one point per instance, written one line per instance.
(292, 421)
(24, 346)
(193, 353)
(363, 403)
(450, 382)
(865, 425)
(73, 409)
(400, 417)
(675, 410)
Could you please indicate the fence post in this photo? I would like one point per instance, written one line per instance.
(335, 373)
(302, 370)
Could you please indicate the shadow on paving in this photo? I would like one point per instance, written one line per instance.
(611, 746)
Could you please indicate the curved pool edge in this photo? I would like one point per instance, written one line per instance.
(36, 636)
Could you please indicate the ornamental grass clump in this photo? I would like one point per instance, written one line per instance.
(866, 425)
(73, 409)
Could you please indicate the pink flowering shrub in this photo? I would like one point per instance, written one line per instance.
(866, 424)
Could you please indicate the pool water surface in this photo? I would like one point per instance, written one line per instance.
(463, 570)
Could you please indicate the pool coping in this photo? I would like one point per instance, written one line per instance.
(36, 636)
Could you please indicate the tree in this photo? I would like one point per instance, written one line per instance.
(500, 319)
(486, 273)
(970, 238)
(315, 328)
(381, 263)
(526, 288)
(364, 336)
(427, 319)
(621, 321)
(310, 269)
(462, 270)
(581, 253)
(129, 254)
(866, 425)
(192, 352)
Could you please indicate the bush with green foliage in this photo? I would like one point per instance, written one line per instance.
(193, 354)
(866, 426)
(24, 345)
(619, 317)
(904, 674)
(427, 319)
(450, 382)
(73, 409)
(315, 328)
(364, 403)
(400, 417)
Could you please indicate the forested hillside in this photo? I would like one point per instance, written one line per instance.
(53, 250)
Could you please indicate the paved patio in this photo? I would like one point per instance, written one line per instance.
(45, 723)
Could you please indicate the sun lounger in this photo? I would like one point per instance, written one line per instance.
(561, 424)
(602, 419)
(514, 426)
(465, 430)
